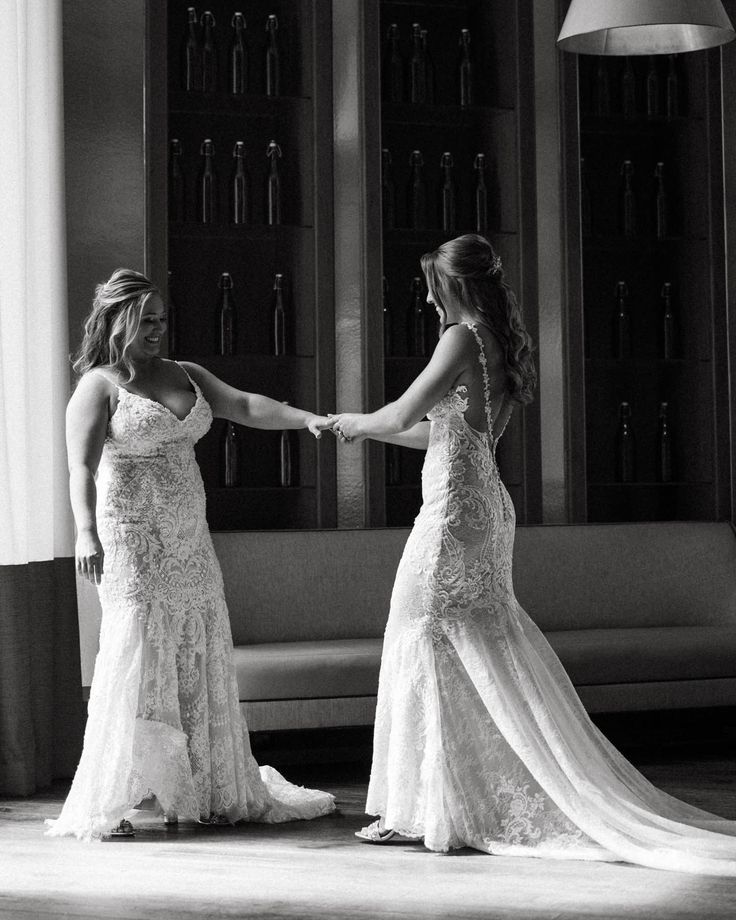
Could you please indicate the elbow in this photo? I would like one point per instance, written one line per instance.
(402, 420)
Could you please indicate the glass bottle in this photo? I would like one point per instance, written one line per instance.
(622, 323)
(393, 465)
(273, 185)
(240, 186)
(238, 56)
(417, 192)
(660, 203)
(172, 319)
(273, 59)
(177, 188)
(672, 88)
(287, 458)
(586, 210)
(628, 200)
(417, 67)
(392, 70)
(669, 331)
(207, 184)
(653, 90)
(386, 313)
(602, 88)
(625, 446)
(628, 90)
(481, 194)
(448, 197)
(417, 321)
(664, 446)
(279, 316)
(227, 315)
(191, 54)
(209, 53)
(430, 86)
(388, 192)
(465, 69)
(231, 471)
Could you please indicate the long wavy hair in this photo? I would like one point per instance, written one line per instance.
(113, 322)
(468, 270)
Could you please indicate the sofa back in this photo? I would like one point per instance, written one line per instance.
(336, 584)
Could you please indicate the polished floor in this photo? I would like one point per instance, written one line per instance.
(320, 870)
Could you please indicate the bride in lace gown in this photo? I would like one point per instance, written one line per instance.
(164, 720)
(480, 739)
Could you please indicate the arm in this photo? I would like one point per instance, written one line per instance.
(417, 437)
(251, 409)
(86, 427)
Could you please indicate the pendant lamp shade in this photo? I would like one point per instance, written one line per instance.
(644, 26)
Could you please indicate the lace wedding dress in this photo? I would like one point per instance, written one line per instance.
(480, 738)
(164, 717)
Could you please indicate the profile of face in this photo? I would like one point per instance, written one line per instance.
(147, 342)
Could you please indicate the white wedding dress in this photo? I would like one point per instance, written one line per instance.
(480, 738)
(164, 716)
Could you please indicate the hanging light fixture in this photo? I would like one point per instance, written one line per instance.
(644, 26)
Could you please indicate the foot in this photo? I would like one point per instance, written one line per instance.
(124, 829)
(171, 817)
(374, 833)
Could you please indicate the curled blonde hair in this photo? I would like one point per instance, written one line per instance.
(469, 271)
(113, 322)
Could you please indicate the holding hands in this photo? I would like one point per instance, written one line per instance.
(347, 426)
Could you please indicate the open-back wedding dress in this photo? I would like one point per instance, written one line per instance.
(480, 738)
(164, 716)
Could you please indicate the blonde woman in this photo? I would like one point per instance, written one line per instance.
(164, 720)
(480, 738)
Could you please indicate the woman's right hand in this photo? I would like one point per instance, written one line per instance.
(90, 556)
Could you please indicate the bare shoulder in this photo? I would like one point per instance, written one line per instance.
(99, 383)
(195, 371)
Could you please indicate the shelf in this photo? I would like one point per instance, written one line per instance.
(247, 105)
(448, 116)
(635, 244)
(432, 237)
(640, 126)
(240, 233)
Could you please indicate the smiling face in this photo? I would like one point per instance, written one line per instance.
(148, 339)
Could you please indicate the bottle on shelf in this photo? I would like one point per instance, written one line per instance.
(586, 209)
(240, 186)
(177, 188)
(191, 54)
(417, 321)
(393, 465)
(448, 195)
(668, 349)
(465, 69)
(672, 88)
(172, 319)
(602, 94)
(207, 184)
(654, 106)
(622, 337)
(238, 56)
(661, 215)
(664, 446)
(417, 67)
(417, 209)
(392, 69)
(628, 90)
(227, 315)
(231, 457)
(628, 200)
(273, 185)
(287, 458)
(388, 191)
(209, 53)
(429, 70)
(481, 194)
(279, 316)
(388, 349)
(625, 446)
(273, 58)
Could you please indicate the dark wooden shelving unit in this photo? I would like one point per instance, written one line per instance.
(299, 119)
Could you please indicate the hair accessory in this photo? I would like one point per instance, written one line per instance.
(495, 266)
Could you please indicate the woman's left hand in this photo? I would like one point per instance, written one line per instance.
(347, 426)
(317, 424)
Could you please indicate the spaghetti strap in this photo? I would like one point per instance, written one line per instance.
(486, 385)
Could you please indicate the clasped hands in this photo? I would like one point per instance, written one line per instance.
(346, 426)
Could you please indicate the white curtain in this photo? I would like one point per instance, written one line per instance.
(35, 519)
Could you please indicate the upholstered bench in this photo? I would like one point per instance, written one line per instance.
(643, 616)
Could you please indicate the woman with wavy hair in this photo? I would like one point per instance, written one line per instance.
(480, 739)
(164, 727)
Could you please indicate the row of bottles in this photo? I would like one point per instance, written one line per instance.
(421, 322)
(631, 222)
(412, 77)
(227, 318)
(232, 455)
(623, 324)
(203, 206)
(626, 446)
(623, 89)
(418, 207)
(201, 60)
